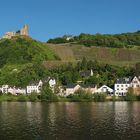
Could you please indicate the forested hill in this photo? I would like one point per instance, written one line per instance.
(124, 40)
(21, 60)
(19, 50)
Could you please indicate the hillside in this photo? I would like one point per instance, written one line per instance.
(21, 60)
(115, 56)
(124, 40)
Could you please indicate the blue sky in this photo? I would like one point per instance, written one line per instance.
(53, 18)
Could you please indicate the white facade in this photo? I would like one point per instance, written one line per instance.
(105, 89)
(121, 89)
(71, 90)
(13, 90)
(20, 91)
(135, 83)
(52, 83)
(16, 91)
(34, 87)
(4, 88)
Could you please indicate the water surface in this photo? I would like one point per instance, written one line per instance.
(70, 121)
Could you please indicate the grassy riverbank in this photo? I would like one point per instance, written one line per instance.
(72, 98)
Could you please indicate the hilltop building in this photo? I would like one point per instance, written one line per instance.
(23, 31)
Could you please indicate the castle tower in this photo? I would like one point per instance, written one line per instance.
(24, 30)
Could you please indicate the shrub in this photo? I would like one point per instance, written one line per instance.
(81, 95)
(48, 95)
(99, 97)
(33, 97)
(22, 98)
(130, 97)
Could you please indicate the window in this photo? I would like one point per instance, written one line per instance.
(121, 85)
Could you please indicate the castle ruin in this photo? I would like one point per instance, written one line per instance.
(23, 31)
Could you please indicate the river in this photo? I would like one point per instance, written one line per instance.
(70, 121)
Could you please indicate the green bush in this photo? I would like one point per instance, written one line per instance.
(22, 98)
(33, 97)
(130, 97)
(99, 97)
(81, 95)
(48, 95)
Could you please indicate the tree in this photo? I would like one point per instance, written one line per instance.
(48, 95)
(130, 95)
(84, 64)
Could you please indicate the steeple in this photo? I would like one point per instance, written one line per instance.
(91, 72)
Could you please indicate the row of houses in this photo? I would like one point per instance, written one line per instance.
(32, 87)
(121, 87)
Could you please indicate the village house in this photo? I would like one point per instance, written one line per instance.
(90, 87)
(135, 84)
(13, 90)
(68, 37)
(122, 85)
(52, 83)
(71, 89)
(34, 87)
(105, 89)
(4, 89)
(87, 73)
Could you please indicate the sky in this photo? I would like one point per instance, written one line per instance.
(54, 18)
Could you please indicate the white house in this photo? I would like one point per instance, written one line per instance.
(90, 87)
(135, 83)
(15, 91)
(70, 89)
(105, 89)
(34, 87)
(20, 91)
(4, 88)
(52, 83)
(121, 86)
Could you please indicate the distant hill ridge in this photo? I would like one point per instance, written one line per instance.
(124, 40)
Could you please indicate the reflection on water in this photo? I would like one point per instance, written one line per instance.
(70, 121)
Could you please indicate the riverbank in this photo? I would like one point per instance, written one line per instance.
(39, 98)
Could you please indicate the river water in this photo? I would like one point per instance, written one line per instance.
(69, 121)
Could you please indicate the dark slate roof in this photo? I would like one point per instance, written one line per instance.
(45, 79)
(33, 83)
(124, 80)
(71, 85)
(89, 86)
(82, 85)
(85, 73)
